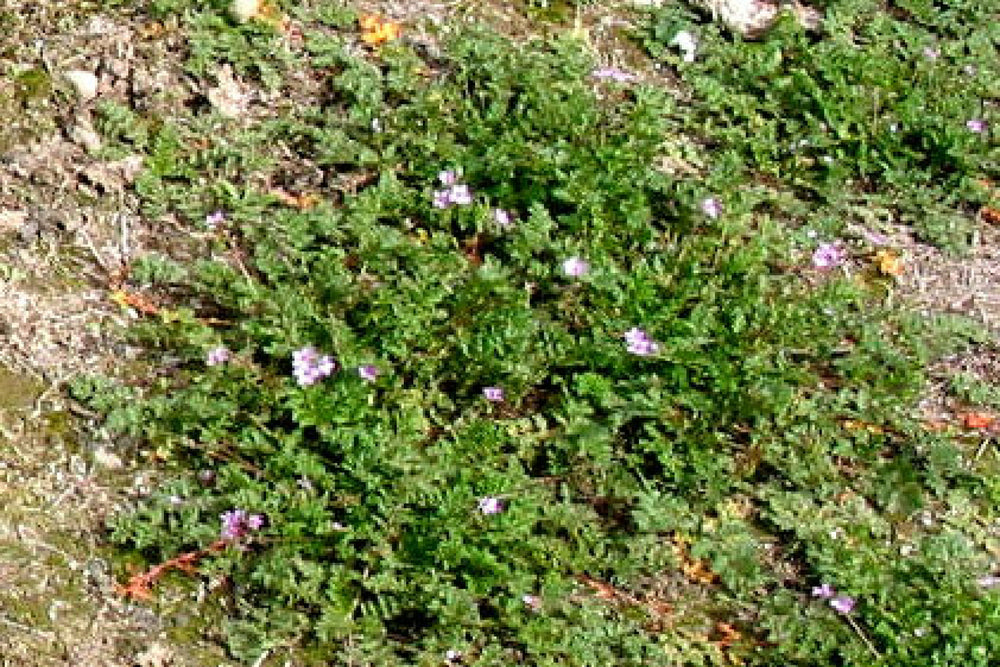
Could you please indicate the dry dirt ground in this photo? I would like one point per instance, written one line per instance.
(68, 223)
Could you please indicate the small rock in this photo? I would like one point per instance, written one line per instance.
(84, 135)
(229, 97)
(12, 220)
(84, 83)
(107, 459)
(157, 655)
(245, 10)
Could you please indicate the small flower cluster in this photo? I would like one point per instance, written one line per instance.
(842, 604)
(490, 505)
(503, 218)
(213, 220)
(977, 125)
(494, 394)
(217, 356)
(828, 256)
(237, 523)
(454, 193)
(711, 207)
(574, 267)
(309, 366)
(639, 343)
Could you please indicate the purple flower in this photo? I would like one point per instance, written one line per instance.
(213, 220)
(310, 367)
(842, 604)
(711, 207)
(828, 256)
(217, 356)
(368, 372)
(977, 125)
(490, 505)
(494, 394)
(237, 523)
(824, 591)
(639, 343)
(455, 194)
(932, 53)
(988, 581)
(442, 198)
(614, 74)
(533, 602)
(575, 267)
(460, 195)
(502, 218)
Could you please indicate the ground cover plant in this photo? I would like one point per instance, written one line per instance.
(478, 352)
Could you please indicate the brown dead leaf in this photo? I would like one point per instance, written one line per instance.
(978, 420)
(990, 215)
(302, 201)
(729, 635)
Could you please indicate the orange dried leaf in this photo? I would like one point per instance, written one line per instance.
(858, 425)
(730, 635)
(377, 31)
(978, 420)
(136, 301)
(603, 590)
(302, 202)
(889, 263)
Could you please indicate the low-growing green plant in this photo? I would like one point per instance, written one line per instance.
(488, 387)
(900, 103)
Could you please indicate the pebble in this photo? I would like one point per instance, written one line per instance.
(84, 83)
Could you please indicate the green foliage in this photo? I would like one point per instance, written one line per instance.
(769, 443)
(878, 102)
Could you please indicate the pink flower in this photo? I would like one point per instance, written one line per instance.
(711, 207)
(533, 602)
(639, 343)
(824, 591)
(448, 177)
(977, 125)
(309, 366)
(237, 523)
(502, 218)
(490, 505)
(217, 356)
(442, 198)
(575, 267)
(368, 372)
(494, 394)
(828, 256)
(842, 604)
(213, 220)
(932, 53)
(460, 195)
